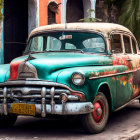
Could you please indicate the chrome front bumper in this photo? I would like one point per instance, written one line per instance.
(42, 90)
(59, 109)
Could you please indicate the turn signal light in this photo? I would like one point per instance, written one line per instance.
(81, 96)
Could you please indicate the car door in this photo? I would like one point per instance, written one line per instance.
(122, 64)
(134, 57)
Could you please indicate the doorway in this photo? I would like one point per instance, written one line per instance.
(74, 10)
(15, 28)
(52, 11)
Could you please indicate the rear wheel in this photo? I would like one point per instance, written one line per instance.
(95, 121)
(7, 121)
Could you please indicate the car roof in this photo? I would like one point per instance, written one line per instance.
(104, 28)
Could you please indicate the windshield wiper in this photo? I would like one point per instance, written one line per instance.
(70, 50)
(37, 52)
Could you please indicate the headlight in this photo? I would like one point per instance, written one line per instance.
(78, 79)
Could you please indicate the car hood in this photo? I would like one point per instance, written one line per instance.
(48, 63)
(60, 60)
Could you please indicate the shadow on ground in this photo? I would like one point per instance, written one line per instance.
(36, 127)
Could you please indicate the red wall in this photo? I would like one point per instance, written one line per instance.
(43, 12)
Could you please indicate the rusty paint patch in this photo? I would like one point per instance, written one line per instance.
(14, 69)
(122, 61)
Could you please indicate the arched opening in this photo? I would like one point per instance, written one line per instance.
(52, 11)
(74, 10)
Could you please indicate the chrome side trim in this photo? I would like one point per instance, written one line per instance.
(110, 75)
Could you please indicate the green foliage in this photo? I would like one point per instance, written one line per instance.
(118, 3)
(129, 14)
(89, 19)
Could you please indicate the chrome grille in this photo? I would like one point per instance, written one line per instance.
(33, 94)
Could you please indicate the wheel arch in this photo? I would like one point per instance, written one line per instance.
(104, 88)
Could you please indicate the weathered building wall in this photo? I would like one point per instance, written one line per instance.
(32, 15)
(72, 10)
(43, 12)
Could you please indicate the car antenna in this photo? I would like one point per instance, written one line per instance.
(65, 25)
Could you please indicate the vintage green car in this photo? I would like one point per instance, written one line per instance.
(76, 69)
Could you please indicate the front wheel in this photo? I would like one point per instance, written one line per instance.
(96, 121)
(7, 121)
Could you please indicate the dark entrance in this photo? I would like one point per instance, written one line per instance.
(15, 28)
(75, 10)
(52, 11)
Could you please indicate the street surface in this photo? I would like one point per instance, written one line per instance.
(122, 125)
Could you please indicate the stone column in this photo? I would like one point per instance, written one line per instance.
(63, 11)
(93, 6)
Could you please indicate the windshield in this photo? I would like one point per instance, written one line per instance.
(67, 41)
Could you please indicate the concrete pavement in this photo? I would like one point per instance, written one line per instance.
(122, 125)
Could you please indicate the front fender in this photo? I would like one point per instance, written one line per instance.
(4, 72)
(92, 85)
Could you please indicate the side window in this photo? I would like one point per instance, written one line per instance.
(116, 45)
(134, 46)
(127, 45)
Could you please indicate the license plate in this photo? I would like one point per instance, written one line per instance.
(23, 109)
